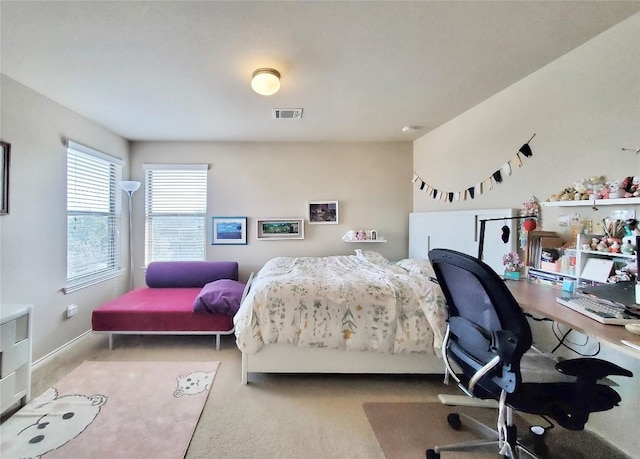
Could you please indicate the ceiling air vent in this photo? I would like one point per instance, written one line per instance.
(287, 113)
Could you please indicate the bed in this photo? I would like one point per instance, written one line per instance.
(356, 313)
(180, 298)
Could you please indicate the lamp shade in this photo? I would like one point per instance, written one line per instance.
(265, 81)
(129, 185)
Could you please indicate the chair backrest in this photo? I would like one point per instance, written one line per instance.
(485, 320)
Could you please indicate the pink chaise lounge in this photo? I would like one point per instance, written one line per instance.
(181, 298)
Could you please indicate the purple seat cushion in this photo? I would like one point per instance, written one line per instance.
(188, 274)
(219, 297)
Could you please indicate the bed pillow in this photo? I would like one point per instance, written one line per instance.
(372, 257)
(417, 265)
(219, 297)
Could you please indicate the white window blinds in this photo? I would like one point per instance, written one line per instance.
(175, 211)
(93, 216)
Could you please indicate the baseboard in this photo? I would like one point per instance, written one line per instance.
(43, 360)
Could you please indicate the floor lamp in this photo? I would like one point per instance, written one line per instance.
(130, 187)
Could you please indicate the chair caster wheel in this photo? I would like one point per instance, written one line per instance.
(454, 421)
(431, 454)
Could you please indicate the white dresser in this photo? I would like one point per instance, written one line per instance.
(15, 356)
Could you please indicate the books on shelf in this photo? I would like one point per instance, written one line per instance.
(541, 277)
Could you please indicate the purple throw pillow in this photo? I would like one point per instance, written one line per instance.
(219, 297)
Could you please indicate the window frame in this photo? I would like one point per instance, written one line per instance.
(94, 160)
(172, 173)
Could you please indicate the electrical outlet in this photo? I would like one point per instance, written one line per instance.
(72, 309)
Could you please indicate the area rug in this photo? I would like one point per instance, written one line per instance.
(407, 430)
(113, 410)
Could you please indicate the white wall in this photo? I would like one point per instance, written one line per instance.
(33, 234)
(583, 107)
(371, 182)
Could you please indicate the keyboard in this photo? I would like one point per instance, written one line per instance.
(605, 313)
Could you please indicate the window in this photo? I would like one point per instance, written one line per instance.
(93, 216)
(175, 211)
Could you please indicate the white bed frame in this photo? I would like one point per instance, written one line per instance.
(286, 358)
(216, 333)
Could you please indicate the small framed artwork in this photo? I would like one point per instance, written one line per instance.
(4, 176)
(228, 230)
(323, 212)
(280, 228)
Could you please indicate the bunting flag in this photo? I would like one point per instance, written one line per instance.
(485, 185)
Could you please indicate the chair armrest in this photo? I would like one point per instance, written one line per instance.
(590, 369)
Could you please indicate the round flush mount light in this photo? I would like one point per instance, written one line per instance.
(408, 129)
(265, 81)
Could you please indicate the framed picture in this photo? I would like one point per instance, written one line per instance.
(4, 176)
(280, 228)
(323, 212)
(228, 230)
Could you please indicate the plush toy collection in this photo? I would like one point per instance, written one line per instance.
(597, 187)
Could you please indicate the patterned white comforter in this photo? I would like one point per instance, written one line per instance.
(358, 302)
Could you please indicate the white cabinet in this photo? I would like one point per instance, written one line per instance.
(460, 230)
(15, 356)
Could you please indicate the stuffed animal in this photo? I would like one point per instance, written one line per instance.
(604, 193)
(580, 190)
(635, 186)
(614, 189)
(594, 185)
(630, 186)
(628, 245)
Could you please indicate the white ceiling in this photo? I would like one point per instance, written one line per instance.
(180, 70)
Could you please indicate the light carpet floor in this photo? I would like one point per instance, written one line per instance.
(275, 416)
(406, 430)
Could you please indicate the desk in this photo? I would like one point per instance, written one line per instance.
(540, 300)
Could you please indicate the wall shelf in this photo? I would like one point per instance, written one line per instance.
(591, 202)
(367, 241)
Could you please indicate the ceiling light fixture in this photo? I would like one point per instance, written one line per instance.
(265, 81)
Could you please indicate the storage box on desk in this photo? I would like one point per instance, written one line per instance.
(552, 266)
(550, 259)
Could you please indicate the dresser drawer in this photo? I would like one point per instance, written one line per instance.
(8, 391)
(15, 356)
(14, 387)
(14, 349)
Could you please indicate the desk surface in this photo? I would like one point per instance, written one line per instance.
(540, 300)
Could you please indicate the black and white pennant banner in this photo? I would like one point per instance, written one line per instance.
(480, 187)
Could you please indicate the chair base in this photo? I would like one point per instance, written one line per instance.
(490, 442)
(465, 400)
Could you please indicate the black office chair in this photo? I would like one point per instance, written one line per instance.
(486, 338)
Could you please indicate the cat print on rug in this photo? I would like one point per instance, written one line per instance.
(48, 422)
(193, 383)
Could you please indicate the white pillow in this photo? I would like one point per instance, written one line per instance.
(417, 265)
(372, 257)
